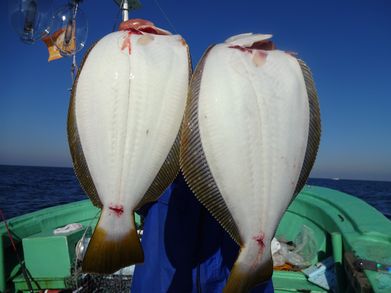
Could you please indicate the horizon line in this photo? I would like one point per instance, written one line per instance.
(329, 178)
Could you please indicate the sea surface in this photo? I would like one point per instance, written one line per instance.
(27, 189)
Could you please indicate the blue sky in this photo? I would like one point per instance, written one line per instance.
(347, 44)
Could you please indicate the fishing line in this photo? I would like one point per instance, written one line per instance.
(165, 16)
(22, 266)
(74, 68)
(116, 17)
(82, 239)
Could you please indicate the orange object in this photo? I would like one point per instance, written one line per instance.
(54, 52)
(284, 267)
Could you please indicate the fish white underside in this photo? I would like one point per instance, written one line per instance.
(129, 109)
(253, 123)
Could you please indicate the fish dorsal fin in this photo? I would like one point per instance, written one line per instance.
(314, 127)
(79, 162)
(193, 161)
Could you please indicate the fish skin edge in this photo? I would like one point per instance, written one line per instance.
(193, 162)
(171, 166)
(241, 282)
(79, 162)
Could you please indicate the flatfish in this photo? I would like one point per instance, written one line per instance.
(250, 137)
(125, 113)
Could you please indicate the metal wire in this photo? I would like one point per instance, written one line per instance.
(116, 17)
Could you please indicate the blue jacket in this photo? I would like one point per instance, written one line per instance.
(185, 249)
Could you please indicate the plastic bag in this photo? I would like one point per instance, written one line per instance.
(306, 245)
(300, 253)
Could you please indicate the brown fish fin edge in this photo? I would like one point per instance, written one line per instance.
(170, 167)
(314, 127)
(241, 281)
(79, 162)
(193, 162)
(106, 256)
(165, 176)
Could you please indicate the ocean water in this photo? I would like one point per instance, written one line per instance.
(26, 189)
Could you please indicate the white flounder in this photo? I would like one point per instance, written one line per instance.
(125, 114)
(250, 137)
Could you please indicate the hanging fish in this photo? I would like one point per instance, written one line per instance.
(250, 136)
(125, 113)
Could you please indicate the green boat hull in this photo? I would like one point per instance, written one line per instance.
(342, 224)
(343, 227)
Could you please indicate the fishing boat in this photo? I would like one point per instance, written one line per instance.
(342, 230)
(343, 244)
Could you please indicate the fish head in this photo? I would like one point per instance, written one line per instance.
(254, 45)
(142, 26)
(251, 41)
(147, 32)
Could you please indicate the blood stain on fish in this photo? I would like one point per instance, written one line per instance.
(145, 39)
(260, 238)
(259, 58)
(117, 209)
(240, 48)
(126, 41)
(259, 55)
(183, 42)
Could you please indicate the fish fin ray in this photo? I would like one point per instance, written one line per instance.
(314, 127)
(193, 161)
(106, 256)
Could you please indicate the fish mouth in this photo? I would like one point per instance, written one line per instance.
(142, 26)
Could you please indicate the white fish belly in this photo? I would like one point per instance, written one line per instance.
(130, 100)
(253, 121)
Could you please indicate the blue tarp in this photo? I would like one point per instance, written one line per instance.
(185, 248)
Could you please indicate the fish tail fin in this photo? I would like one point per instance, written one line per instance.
(243, 277)
(114, 244)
